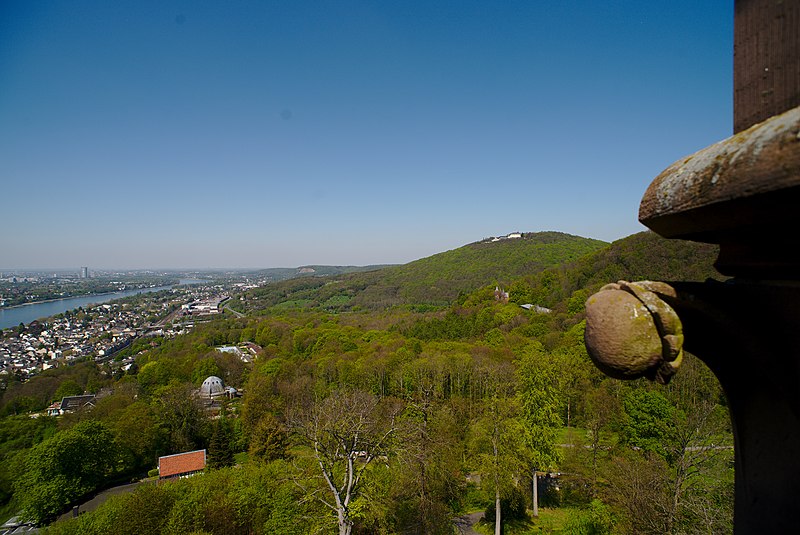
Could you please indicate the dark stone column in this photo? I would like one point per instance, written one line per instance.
(749, 335)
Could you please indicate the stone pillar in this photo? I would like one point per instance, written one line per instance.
(748, 333)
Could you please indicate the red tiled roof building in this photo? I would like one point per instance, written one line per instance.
(181, 464)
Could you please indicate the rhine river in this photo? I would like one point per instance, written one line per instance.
(11, 317)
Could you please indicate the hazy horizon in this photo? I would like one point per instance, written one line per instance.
(63, 270)
(243, 268)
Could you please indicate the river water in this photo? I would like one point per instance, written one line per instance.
(10, 317)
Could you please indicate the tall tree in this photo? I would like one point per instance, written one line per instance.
(681, 426)
(538, 391)
(269, 440)
(182, 417)
(600, 410)
(499, 448)
(220, 448)
(650, 423)
(138, 436)
(700, 422)
(496, 435)
(67, 388)
(346, 432)
(428, 476)
(574, 370)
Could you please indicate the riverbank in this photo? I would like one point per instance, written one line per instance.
(12, 316)
(55, 300)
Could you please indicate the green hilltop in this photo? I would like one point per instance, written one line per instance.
(434, 281)
(542, 268)
(641, 256)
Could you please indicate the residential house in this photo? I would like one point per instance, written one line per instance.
(71, 404)
(181, 465)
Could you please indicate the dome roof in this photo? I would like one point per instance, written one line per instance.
(212, 385)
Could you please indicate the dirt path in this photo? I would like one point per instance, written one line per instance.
(464, 523)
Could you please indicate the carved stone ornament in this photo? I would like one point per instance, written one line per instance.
(631, 332)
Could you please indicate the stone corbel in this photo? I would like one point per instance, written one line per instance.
(632, 332)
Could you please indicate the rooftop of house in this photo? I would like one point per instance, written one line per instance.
(181, 463)
(71, 403)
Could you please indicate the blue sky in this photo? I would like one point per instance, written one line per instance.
(262, 134)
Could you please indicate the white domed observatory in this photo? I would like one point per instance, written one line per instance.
(212, 387)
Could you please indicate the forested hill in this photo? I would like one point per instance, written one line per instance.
(435, 280)
(642, 256)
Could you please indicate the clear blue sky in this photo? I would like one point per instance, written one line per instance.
(261, 134)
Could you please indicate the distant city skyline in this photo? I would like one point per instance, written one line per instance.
(177, 135)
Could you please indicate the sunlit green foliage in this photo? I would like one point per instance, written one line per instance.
(17, 435)
(465, 367)
(436, 280)
(649, 422)
(67, 388)
(539, 393)
(64, 467)
(255, 499)
(642, 256)
(597, 519)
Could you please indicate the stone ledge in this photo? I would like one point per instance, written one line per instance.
(742, 193)
(718, 190)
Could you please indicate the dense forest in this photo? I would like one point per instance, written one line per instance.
(392, 401)
(433, 281)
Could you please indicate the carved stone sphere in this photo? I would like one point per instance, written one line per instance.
(621, 336)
